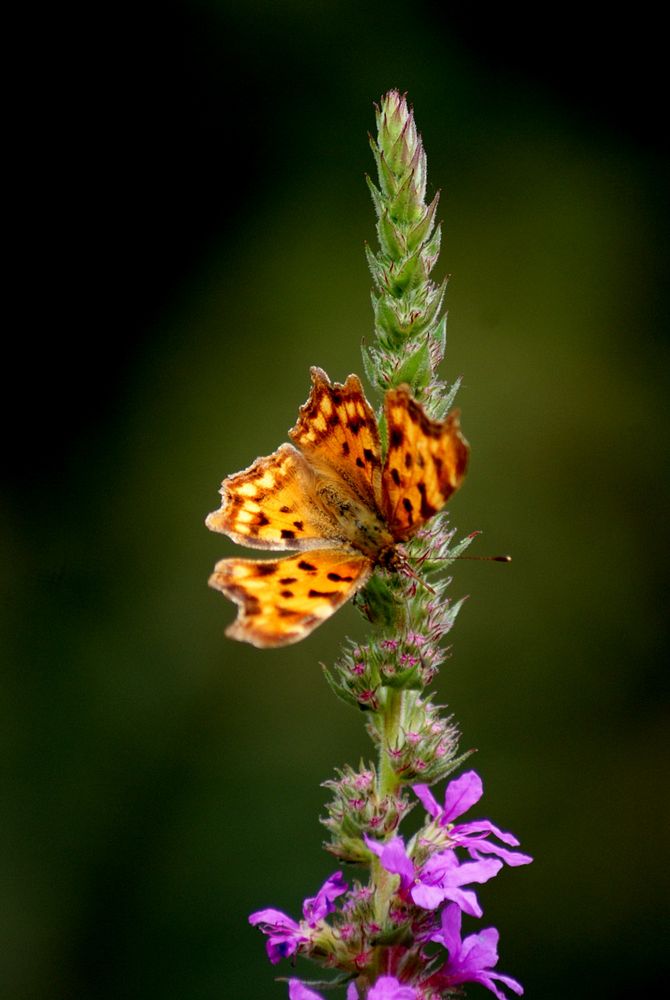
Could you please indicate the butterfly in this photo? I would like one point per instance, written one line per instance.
(328, 497)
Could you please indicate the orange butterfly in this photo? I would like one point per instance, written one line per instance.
(330, 499)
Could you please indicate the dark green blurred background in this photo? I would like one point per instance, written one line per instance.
(195, 217)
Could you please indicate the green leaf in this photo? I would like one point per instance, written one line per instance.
(431, 251)
(338, 689)
(415, 370)
(410, 274)
(378, 603)
(449, 400)
(388, 181)
(377, 197)
(376, 268)
(405, 206)
(369, 365)
(387, 319)
(439, 335)
(423, 228)
(391, 236)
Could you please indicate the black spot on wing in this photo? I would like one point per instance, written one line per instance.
(427, 509)
(285, 533)
(266, 569)
(288, 579)
(299, 525)
(307, 566)
(336, 578)
(396, 437)
(330, 595)
(395, 476)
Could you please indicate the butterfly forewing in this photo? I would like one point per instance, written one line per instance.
(425, 463)
(337, 432)
(272, 505)
(282, 600)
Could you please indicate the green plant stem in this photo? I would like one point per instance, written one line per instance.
(387, 781)
(384, 884)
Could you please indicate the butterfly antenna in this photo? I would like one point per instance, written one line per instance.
(448, 559)
(406, 569)
(503, 559)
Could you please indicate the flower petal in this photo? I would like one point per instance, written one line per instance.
(298, 991)
(319, 906)
(394, 858)
(486, 979)
(428, 897)
(460, 795)
(388, 988)
(427, 799)
(273, 919)
(450, 933)
(474, 871)
(465, 899)
(486, 826)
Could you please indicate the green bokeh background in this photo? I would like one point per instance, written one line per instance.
(164, 781)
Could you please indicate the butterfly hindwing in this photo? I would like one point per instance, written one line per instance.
(282, 600)
(425, 463)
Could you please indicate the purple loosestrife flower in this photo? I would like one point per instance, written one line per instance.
(472, 959)
(386, 988)
(298, 991)
(285, 935)
(459, 796)
(440, 878)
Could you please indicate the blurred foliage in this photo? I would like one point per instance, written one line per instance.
(163, 781)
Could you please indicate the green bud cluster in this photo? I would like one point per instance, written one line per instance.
(425, 747)
(409, 326)
(357, 809)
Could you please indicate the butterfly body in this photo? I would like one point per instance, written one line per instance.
(328, 496)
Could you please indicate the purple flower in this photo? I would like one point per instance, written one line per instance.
(470, 960)
(285, 935)
(460, 795)
(298, 991)
(388, 988)
(322, 904)
(440, 878)
(394, 859)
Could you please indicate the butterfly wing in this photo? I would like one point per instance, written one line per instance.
(281, 601)
(273, 505)
(425, 463)
(337, 432)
